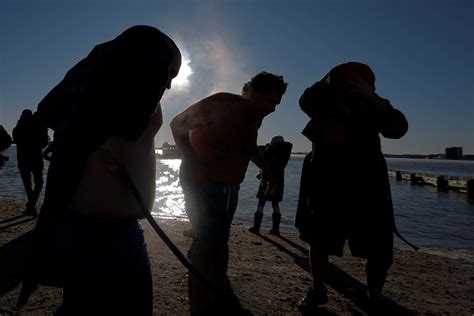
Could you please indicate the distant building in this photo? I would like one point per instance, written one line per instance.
(454, 153)
(170, 151)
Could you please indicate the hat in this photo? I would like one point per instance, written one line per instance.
(346, 72)
(277, 139)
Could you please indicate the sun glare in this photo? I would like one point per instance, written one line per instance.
(182, 79)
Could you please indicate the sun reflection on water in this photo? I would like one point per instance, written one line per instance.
(169, 199)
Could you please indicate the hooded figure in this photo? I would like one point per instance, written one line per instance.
(344, 190)
(276, 154)
(104, 113)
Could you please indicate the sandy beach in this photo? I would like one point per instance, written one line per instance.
(268, 274)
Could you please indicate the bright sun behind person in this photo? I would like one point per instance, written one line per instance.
(181, 82)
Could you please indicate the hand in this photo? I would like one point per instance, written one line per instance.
(359, 88)
(265, 181)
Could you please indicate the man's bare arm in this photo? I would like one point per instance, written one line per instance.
(195, 116)
(260, 162)
(117, 151)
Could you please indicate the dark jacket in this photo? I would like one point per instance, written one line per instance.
(30, 137)
(345, 175)
(276, 155)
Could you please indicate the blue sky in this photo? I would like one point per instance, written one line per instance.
(422, 53)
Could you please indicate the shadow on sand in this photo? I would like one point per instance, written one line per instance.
(13, 257)
(226, 303)
(339, 280)
(11, 222)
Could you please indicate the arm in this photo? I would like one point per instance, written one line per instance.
(314, 99)
(391, 122)
(258, 159)
(196, 116)
(117, 151)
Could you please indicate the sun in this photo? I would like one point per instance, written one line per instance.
(181, 81)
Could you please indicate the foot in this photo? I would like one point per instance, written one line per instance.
(254, 230)
(30, 211)
(275, 232)
(377, 305)
(313, 300)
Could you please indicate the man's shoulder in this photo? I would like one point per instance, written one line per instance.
(226, 96)
(226, 100)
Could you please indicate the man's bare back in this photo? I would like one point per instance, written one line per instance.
(225, 144)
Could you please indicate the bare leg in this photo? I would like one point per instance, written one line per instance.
(319, 266)
(38, 181)
(317, 295)
(376, 272)
(26, 178)
(212, 260)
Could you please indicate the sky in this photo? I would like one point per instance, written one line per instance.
(422, 53)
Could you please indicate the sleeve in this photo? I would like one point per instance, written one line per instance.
(285, 154)
(314, 99)
(393, 123)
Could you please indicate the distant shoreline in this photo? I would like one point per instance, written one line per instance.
(413, 156)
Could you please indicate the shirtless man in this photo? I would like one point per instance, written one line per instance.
(218, 137)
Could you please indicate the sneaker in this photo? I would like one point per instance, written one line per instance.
(313, 299)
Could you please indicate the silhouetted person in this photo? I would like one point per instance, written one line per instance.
(105, 114)
(30, 137)
(218, 137)
(276, 154)
(345, 192)
(5, 143)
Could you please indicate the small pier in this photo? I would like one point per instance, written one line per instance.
(443, 183)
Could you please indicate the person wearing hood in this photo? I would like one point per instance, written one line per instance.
(276, 154)
(105, 114)
(344, 190)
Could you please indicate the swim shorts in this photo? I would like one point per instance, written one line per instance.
(210, 207)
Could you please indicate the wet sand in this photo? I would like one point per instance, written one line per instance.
(268, 274)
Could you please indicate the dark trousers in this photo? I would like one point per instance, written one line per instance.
(32, 192)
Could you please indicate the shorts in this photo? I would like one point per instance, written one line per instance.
(210, 208)
(367, 238)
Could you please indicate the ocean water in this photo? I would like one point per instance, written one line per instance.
(423, 215)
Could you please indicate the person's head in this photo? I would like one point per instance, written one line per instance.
(343, 75)
(266, 90)
(156, 47)
(277, 139)
(27, 114)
